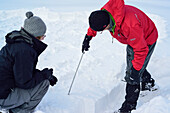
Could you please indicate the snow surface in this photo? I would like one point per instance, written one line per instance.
(98, 87)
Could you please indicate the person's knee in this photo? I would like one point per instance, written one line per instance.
(132, 77)
(45, 83)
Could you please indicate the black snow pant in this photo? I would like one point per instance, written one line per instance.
(132, 91)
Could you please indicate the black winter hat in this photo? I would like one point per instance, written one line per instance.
(99, 20)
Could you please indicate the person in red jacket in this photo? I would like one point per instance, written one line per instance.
(133, 27)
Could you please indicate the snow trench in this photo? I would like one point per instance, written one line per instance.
(111, 100)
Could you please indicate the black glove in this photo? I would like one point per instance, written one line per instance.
(132, 77)
(48, 73)
(53, 80)
(85, 45)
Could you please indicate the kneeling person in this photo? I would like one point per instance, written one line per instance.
(22, 86)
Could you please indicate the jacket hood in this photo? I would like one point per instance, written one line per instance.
(23, 36)
(117, 10)
(18, 36)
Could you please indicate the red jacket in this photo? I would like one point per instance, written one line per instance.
(133, 27)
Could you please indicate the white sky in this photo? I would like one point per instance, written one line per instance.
(54, 4)
(69, 5)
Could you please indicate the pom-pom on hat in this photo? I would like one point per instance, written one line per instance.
(34, 25)
(99, 20)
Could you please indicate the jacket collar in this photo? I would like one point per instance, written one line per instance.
(38, 45)
(24, 36)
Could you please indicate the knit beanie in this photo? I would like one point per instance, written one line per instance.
(34, 25)
(99, 20)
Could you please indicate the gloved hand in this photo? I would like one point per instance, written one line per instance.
(48, 73)
(85, 45)
(53, 80)
(132, 77)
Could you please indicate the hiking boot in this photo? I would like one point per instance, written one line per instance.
(122, 111)
(119, 111)
(127, 107)
(126, 112)
(149, 85)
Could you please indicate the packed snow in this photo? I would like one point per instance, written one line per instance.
(98, 86)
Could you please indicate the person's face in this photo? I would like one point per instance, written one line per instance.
(41, 37)
(107, 28)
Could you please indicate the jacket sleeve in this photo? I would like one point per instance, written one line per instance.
(91, 32)
(25, 74)
(137, 42)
